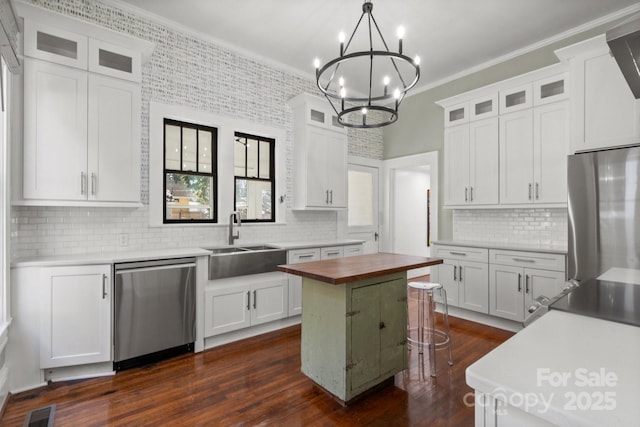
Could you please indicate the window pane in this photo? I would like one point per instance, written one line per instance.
(265, 154)
(252, 157)
(360, 210)
(205, 157)
(189, 145)
(172, 147)
(189, 197)
(239, 156)
(254, 199)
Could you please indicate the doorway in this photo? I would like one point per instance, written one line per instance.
(410, 204)
(364, 195)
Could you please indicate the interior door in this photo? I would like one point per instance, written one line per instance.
(363, 199)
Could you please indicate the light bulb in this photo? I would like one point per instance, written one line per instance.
(341, 37)
(343, 92)
(386, 80)
(400, 32)
(396, 93)
(316, 63)
(416, 60)
(341, 81)
(364, 111)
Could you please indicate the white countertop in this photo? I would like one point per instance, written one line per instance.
(550, 249)
(316, 244)
(109, 258)
(523, 369)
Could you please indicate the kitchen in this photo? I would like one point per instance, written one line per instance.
(169, 79)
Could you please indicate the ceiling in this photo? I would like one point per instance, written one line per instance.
(450, 36)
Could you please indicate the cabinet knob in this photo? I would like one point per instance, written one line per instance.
(382, 325)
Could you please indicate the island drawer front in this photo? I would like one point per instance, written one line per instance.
(461, 253)
(331, 252)
(353, 250)
(303, 255)
(555, 262)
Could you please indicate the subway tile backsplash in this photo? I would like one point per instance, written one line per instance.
(535, 226)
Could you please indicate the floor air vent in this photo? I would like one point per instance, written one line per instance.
(41, 417)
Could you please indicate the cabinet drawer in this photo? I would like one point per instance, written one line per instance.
(461, 252)
(353, 250)
(555, 262)
(331, 252)
(303, 255)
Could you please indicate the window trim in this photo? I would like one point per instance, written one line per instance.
(214, 169)
(272, 173)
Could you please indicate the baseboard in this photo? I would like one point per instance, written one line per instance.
(485, 319)
(253, 331)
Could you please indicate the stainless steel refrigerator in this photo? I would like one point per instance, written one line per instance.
(604, 212)
(604, 236)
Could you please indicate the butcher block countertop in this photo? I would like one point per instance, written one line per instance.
(350, 269)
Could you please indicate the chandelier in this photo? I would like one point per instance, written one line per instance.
(358, 83)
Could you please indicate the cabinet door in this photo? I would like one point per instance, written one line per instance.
(542, 282)
(269, 301)
(474, 286)
(364, 351)
(75, 316)
(456, 159)
(516, 157)
(393, 326)
(226, 309)
(550, 148)
(506, 292)
(55, 45)
(295, 295)
(55, 131)
(483, 162)
(336, 169)
(317, 186)
(114, 140)
(447, 276)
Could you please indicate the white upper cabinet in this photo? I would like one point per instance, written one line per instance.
(550, 89)
(604, 112)
(82, 104)
(516, 98)
(320, 155)
(516, 157)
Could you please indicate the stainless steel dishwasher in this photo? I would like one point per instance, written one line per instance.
(154, 310)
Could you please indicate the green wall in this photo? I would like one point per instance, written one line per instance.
(420, 127)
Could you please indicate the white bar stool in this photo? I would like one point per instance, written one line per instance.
(421, 329)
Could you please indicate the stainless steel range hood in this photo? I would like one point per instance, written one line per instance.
(624, 42)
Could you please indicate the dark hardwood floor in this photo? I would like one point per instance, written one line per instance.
(258, 382)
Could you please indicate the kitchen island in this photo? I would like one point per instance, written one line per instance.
(354, 320)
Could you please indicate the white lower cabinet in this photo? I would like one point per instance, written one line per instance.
(513, 285)
(240, 302)
(75, 322)
(464, 276)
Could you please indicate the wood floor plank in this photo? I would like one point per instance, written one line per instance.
(258, 382)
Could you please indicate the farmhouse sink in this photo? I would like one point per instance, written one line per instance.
(244, 260)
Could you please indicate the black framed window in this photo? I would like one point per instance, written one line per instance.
(255, 183)
(190, 173)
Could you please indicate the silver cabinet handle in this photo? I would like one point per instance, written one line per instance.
(104, 286)
(526, 284)
(331, 196)
(465, 195)
(523, 260)
(529, 191)
(305, 256)
(93, 183)
(458, 253)
(460, 274)
(326, 200)
(455, 269)
(333, 253)
(519, 282)
(255, 299)
(83, 183)
(537, 191)
(471, 193)
(248, 300)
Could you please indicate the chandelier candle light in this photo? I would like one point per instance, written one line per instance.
(381, 69)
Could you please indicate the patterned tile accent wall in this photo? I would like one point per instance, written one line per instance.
(536, 227)
(184, 70)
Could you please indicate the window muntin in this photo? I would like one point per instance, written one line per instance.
(190, 181)
(254, 170)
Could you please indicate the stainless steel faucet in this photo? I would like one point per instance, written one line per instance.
(232, 236)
